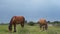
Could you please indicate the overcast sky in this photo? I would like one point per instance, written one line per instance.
(32, 10)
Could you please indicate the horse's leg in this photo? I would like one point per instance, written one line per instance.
(40, 26)
(22, 24)
(14, 27)
(46, 26)
(43, 27)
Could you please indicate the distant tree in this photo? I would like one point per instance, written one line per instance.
(2, 23)
(56, 23)
(25, 21)
(31, 23)
(49, 22)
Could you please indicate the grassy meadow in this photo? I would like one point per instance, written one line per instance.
(30, 30)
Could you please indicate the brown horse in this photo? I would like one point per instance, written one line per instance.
(16, 20)
(43, 24)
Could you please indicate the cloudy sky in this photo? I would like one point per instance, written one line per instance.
(32, 10)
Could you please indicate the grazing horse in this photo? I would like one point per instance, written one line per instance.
(43, 24)
(16, 20)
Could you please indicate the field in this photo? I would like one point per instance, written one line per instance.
(30, 30)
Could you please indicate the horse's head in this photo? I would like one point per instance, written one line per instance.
(10, 28)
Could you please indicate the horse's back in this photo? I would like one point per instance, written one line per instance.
(17, 19)
(42, 21)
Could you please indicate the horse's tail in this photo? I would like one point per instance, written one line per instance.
(10, 24)
(22, 23)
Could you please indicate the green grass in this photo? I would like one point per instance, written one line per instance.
(29, 30)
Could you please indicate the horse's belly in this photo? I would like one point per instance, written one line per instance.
(18, 22)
